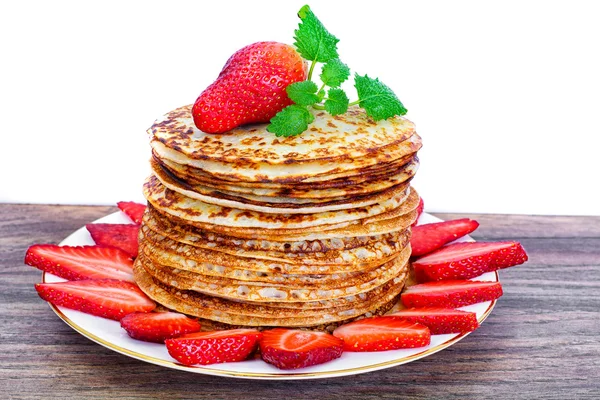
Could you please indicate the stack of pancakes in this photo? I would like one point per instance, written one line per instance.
(250, 229)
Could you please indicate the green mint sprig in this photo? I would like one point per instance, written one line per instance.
(316, 44)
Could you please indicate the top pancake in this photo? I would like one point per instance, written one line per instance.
(332, 144)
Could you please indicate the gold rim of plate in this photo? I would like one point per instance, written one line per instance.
(291, 375)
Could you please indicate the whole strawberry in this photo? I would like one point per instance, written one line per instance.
(250, 88)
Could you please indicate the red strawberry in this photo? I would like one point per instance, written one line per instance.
(133, 210)
(441, 320)
(81, 262)
(420, 209)
(250, 88)
(468, 260)
(107, 298)
(158, 326)
(123, 236)
(450, 294)
(293, 348)
(429, 237)
(214, 347)
(382, 333)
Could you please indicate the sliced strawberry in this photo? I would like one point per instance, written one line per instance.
(214, 347)
(468, 260)
(157, 327)
(292, 348)
(123, 236)
(429, 237)
(420, 209)
(382, 333)
(135, 211)
(441, 320)
(450, 294)
(107, 298)
(81, 262)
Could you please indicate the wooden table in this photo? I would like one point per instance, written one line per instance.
(541, 341)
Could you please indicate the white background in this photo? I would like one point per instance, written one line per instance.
(505, 94)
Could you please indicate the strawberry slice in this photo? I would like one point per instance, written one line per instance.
(468, 260)
(441, 320)
(429, 237)
(420, 209)
(293, 348)
(450, 294)
(382, 333)
(75, 263)
(123, 236)
(214, 347)
(157, 327)
(107, 298)
(135, 211)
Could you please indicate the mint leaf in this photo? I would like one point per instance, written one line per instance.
(313, 41)
(303, 93)
(337, 102)
(291, 121)
(321, 94)
(334, 73)
(378, 100)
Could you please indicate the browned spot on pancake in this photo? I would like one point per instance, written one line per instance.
(251, 140)
(290, 157)
(223, 213)
(244, 214)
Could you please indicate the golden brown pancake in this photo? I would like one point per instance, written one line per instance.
(249, 229)
(244, 314)
(243, 290)
(188, 249)
(332, 145)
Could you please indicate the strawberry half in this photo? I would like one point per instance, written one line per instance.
(420, 209)
(214, 347)
(107, 298)
(135, 211)
(292, 348)
(468, 260)
(157, 327)
(81, 262)
(441, 320)
(123, 236)
(382, 333)
(429, 237)
(250, 88)
(450, 294)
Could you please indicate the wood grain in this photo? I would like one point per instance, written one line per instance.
(541, 341)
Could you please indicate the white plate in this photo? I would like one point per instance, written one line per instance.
(109, 334)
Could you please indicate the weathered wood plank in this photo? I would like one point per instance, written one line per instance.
(541, 341)
(497, 227)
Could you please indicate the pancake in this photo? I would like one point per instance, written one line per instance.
(337, 231)
(259, 291)
(278, 205)
(232, 245)
(366, 181)
(246, 229)
(315, 194)
(396, 219)
(250, 153)
(198, 212)
(235, 313)
(187, 248)
(237, 276)
(220, 265)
